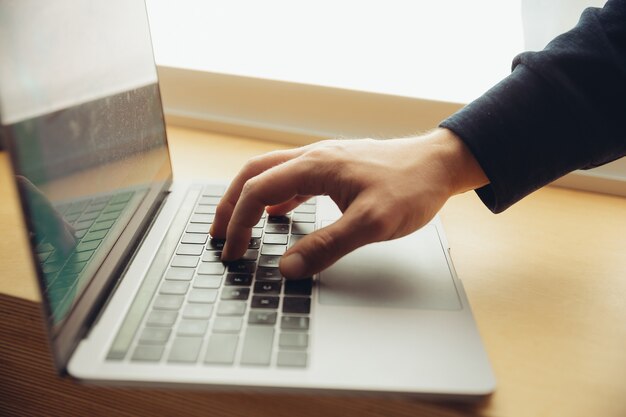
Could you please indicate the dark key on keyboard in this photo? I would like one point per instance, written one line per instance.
(239, 279)
(277, 228)
(242, 267)
(216, 244)
(268, 274)
(299, 287)
(278, 219)
(299, 305)
(265, 301)
(268, 287)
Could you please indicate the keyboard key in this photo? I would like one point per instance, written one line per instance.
(174, 287)
(293, 340)
(221, 349)
(235, 293)
(227, 324)
(295, 359)
(265, 301)
(275, 239)
(239, 279)
(198, 311)
(273, 249)
(269, 261)
(256, 233)
(299, 287)
(231, 308)
(185, 349)
(194, 238)
(255, 243)
(148, 353)
(155, 335)
(294, 239)
(305, 208)
(202, 296)
(268, 274)
(257, 345)
(161, 318)
(278, 219)
(267, 287)
(298, 305)
(183, 261)
(242, 267)
(207, 281)
(262, 317)
(212, 256)
(216, 244)
(188, 327)
(168, 302)
(277, 228)
(260, 223)
(304, 218)
(205, 209)
(302, 228)
(212, 201)
(189, 249)
(202, 218)
(179, 274)
(198, 228)
(294, 323)
(211, 268)
(250, 255)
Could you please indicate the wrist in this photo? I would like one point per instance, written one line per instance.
(465, 173)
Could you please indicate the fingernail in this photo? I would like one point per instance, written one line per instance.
(293, 266)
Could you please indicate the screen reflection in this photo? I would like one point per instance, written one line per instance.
(81, 111)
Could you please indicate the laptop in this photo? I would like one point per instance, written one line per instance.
(133, 288)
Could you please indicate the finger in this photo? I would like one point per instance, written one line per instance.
(253, 167)
(358, 226)
(287, 206)
(277, 185)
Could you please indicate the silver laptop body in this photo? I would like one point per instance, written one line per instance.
(133, 289)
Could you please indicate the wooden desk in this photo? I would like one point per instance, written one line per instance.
(546, 280)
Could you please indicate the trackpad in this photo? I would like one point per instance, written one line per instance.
(410, 272)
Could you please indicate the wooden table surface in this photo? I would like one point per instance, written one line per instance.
(546, 281)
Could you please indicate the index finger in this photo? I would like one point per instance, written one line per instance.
(276, 185)
(252, 168)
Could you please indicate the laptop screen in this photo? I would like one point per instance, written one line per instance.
(81, 113)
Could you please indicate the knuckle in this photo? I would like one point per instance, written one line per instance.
(249, 186)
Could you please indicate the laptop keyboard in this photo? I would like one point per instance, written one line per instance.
(238, 313)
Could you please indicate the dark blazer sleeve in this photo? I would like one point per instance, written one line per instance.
(561, 109)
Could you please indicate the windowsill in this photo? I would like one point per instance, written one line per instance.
(297, 80)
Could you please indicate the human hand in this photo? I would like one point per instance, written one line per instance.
(385, 188)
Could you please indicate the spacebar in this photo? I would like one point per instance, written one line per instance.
(257, 346)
